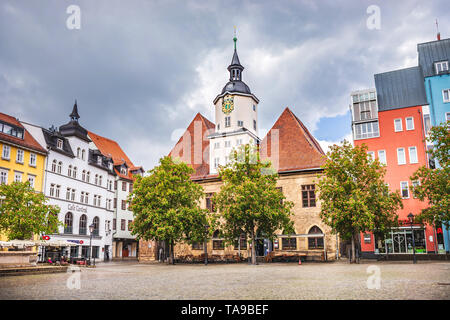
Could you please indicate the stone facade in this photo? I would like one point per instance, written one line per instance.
(304, 219)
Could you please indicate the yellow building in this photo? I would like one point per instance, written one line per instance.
(22, 157)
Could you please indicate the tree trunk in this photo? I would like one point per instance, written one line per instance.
(353, 249)
(170, 259)
(172, 254)
(253, 248)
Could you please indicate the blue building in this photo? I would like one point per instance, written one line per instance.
(434, 60)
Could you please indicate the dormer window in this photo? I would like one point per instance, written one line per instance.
(110, 166)
(123, 170)
(59, 144)
(441, 66)
(99, 160)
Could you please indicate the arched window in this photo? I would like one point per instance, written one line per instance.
(54, 166)
(217, 244)
(96, 179)
(69, 171)
(78, 153)
(74, 174)
(88, 176)
(83, 175)
(315, 242)
(83, 225)
(100, 180)
(82, 154)
(59, 169)
(68, 222)
(96, 223)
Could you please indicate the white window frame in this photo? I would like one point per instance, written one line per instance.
(227, 122)
(442, 64)
(33, 159)
(401, 125)
(18, 174)
(371, 154)
(409, 153)
(4, 176)
(216, 145)
(216, 162)
(406, 123)
(6, 152)
(404, 156)
(379, 157)
(227, 144)
(20, 156)
(407, 188)
(59, 144)
(448, 95)
(240, 123)
(31, 179)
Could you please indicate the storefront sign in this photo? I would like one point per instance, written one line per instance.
(45, 238)
(275, 243)
(73, 207)
(367, 238)
(76, 241)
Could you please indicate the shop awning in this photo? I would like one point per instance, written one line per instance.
(55, 243)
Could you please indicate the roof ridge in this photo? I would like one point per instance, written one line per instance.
(308, 135)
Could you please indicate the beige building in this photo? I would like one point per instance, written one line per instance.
(293, 151)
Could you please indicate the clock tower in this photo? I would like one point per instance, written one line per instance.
(236, 117)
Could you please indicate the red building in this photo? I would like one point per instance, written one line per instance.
(392, 121)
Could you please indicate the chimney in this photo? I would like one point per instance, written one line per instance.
(439, 36)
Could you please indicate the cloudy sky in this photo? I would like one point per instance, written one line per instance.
(141, 70)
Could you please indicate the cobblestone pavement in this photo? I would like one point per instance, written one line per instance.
(338, 280)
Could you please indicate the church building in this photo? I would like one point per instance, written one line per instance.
(293, 152)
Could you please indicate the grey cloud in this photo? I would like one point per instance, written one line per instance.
(134, 66)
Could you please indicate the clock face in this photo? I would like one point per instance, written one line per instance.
(227, 104)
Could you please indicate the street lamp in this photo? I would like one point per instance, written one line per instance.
(91, 230)
(205, 245)
(411, 221)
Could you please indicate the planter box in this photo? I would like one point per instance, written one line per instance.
(13, 259)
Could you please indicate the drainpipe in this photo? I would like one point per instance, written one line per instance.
(424, 138)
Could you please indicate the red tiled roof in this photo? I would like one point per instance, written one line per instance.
(195, 141)
(27, 142)
(297, 148)
(111, 148)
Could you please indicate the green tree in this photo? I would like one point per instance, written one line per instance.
(249, 201)
(434, 184)
(354, 197)
(166, 205)
(24, 212)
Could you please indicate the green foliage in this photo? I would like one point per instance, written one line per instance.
(24, 212)
(248, 201)
(434, 184)
(166, 205)
(354, 195)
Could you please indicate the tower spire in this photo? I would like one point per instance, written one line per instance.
(437, 28)
(74, 116)
(235, 38)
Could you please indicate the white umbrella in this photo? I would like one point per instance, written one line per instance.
(22, 243)
(5, 244)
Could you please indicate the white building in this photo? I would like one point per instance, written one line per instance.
(236, 117)
(125, 246)
(76, 180)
